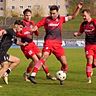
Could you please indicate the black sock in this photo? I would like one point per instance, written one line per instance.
(8, 71)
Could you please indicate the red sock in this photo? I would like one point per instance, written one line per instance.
(88, 70)
(45, 68)
(38, 65)
(64, 68)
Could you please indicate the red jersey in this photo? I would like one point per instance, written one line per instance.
(89, 28)
(52, 27)
(29, 24)
(25, 32)
(24, 35)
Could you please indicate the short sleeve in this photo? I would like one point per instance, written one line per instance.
(81, 30)
(41, 22)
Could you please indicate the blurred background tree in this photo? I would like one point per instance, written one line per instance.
(90, 4)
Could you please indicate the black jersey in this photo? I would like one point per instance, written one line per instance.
(7, 40)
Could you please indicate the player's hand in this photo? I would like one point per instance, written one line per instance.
(75, 34)
(80, 5)
(24, 44)
(35, 28)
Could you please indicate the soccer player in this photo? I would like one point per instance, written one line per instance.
(30, 49)
(8, 37)
(88, 27)
(53, 38)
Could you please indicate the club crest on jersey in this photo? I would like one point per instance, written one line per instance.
(48, 20)
(57, 20)
(31, 26)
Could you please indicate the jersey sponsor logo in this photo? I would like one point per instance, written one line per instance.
(89, 30)
(27, 32)
(29, 25)
(52, 24)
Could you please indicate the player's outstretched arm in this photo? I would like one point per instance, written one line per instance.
(75, 13)
(19, 43)
(77, 34)
(34, 30)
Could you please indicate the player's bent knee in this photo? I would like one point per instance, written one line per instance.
(17, 61)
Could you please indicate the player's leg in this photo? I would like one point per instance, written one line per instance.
(89, 67)
(64, 64)
(4, 67)
(94, 61)
(93, 65)
(35, 59)
(90, 58)
(28, 70)
(30, 50)
(14, 62)
(59, 52)
(46, 69)
(30, 67)
(37, 67)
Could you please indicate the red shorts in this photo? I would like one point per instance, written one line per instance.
(54, 47)
(90, 50)
(30, 50)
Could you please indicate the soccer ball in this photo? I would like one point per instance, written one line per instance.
(60, 75)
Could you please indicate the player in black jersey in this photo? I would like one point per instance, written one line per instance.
(8, 37)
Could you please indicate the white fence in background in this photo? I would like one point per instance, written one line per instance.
(65, 43)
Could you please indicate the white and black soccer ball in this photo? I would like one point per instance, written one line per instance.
(60, 75)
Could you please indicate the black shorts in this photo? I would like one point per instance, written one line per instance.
(4, 58)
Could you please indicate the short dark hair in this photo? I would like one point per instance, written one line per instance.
(54, 7)
(27, 10)
(86, 10)
(19, 22)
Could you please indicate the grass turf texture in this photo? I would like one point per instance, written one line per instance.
(74, 85)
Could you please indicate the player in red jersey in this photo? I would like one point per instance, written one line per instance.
(89, 28)
(30, 49)
(53, 38)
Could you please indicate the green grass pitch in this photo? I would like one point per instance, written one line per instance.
(74, 85)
